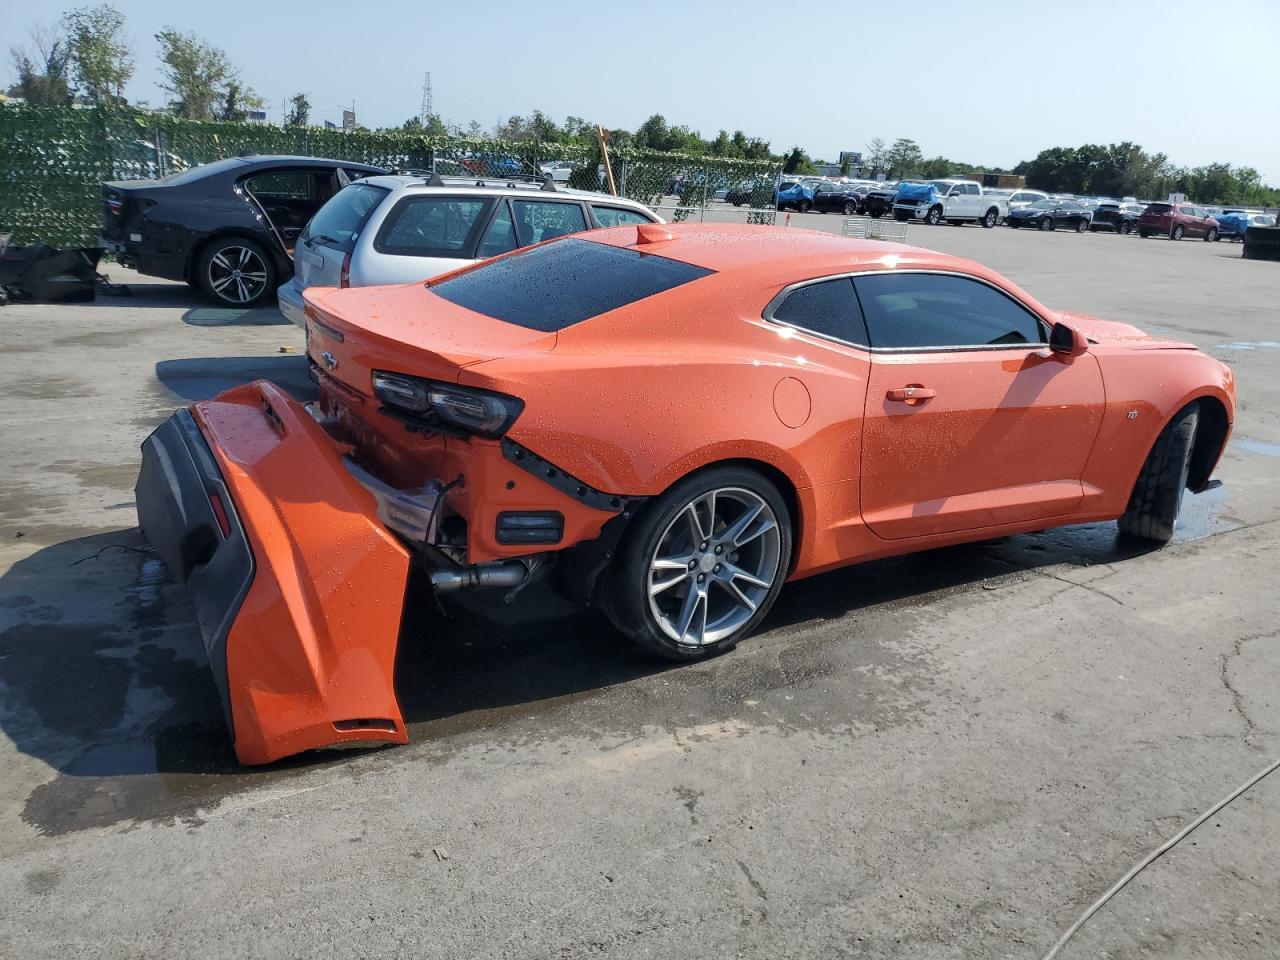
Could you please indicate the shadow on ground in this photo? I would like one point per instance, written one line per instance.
(199, 312)
(200, 378)
(107, 682)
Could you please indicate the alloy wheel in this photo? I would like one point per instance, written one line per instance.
(713, 566)
(237, 274)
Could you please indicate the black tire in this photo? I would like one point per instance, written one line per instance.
(804, 206)
(875, 214)
(1014, 224)
(934, 216)
(627, 602)
(1125, 227)
(1144, 234)
(901, 216)
(990, 218)
(1045, 223)
(1082, 225)
(220, 279)
(1211, 236)
(1177, 233)
(850, 209)
(1157, 496)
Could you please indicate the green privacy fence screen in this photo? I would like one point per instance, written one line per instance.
(52, 161)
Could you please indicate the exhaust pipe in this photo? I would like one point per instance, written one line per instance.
(502, 573)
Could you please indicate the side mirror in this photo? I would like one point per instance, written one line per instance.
(1066, 341)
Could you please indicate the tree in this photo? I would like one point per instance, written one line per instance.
(877, 157)
(722, 146)
(236, 101)
(43, 81)
(434, 127)
(938, 168)
(196, 74)
(299, 110)
(904, 158)
(797, 162)
(100, 57)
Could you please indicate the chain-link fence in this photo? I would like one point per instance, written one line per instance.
(55, 158)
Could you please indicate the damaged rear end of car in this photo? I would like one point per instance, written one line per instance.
(295, 528)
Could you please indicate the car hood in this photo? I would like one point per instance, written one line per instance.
(1125, 334)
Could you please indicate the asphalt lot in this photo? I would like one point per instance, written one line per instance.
(942, 756)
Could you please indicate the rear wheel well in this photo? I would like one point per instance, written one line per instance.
(779, 480)
(193, 258)
(1211, 435)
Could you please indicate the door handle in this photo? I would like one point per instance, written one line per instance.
(912, 393)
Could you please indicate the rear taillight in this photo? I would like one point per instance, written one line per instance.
(115, 204)
(344, 278)
(466, 410)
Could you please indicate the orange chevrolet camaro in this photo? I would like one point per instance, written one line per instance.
(668, 422)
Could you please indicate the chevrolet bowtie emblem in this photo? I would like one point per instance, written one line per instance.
(329, 359)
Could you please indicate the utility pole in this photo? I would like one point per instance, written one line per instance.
(428, 108)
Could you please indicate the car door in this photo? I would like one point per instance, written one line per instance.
(970, 420)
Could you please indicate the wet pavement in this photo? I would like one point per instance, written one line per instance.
(942, 755)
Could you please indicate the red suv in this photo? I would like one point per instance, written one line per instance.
(1176, 220)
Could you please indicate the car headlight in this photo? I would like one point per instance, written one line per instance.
(464, 409)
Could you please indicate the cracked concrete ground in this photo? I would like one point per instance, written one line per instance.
(941, 756)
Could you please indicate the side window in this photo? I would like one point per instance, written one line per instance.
(929, 310)
(431, 226)
(615, 217)
(284, 186)
(829, 308)
(501, 235)
(538, 220)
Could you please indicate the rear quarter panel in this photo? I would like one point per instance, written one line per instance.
(627, 407)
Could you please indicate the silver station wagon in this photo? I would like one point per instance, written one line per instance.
(401, 229)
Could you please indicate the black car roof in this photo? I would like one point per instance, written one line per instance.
(271, 159)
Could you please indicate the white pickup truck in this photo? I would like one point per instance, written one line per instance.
(956, 201)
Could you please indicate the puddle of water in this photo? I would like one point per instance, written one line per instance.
(1203, 515)
(1257, 446)
(1250, 345)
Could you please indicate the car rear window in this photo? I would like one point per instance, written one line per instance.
(1159, 208)
(340, 220)
(551, 287)
(205, 170)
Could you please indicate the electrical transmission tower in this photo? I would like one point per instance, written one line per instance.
(428, 108)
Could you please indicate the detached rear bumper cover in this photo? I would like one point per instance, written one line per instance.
(299, 601)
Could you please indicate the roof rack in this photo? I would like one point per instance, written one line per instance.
(434, 179)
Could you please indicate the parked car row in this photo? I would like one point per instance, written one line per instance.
(237, 228)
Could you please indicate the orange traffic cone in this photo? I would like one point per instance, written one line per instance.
(788, 218)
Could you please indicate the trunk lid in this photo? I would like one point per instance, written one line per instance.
(405, 329)
(317, 264)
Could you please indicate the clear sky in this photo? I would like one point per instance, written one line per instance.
(982, 82)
